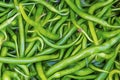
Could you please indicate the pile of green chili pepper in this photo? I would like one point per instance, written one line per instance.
(59, 40)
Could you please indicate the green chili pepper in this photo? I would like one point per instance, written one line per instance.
(89, 17)
(27, 60)
(36, 25)
(59, 40)
(82, 54)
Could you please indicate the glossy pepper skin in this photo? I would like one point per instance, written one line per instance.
(59, 39)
